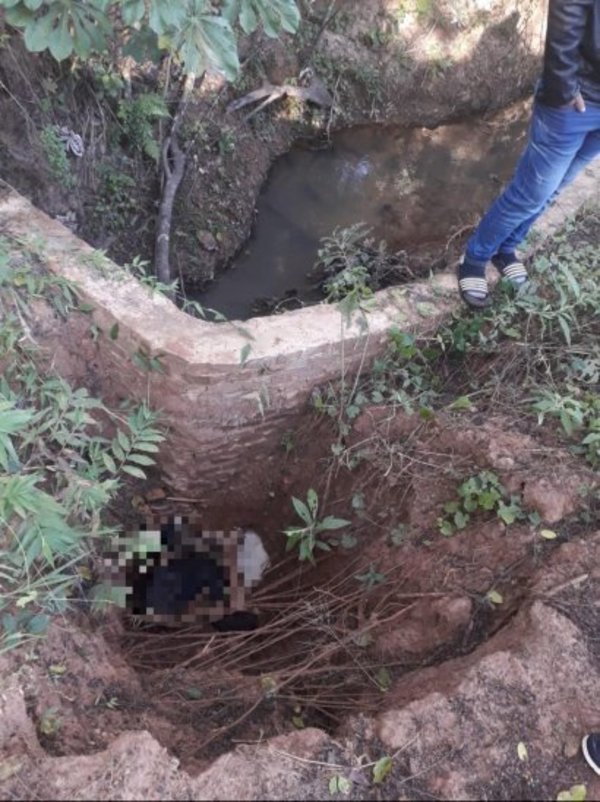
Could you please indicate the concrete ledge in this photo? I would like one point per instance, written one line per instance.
(222, 416)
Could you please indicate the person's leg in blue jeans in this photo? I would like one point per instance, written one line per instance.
(558, 148)
(586, 154)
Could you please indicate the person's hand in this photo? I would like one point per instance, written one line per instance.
(578, 103)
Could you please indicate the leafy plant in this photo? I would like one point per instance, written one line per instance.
(579, 415)
(351, 265)
(138, 117)
(56, 157)
(370, 578)
(201, 36)
(306, 538)
(147, 362)
(59, 472)
(115, 200)
(403, 376)
(482, 492)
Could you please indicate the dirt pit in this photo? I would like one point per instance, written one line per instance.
(439, 649)
(339, 644)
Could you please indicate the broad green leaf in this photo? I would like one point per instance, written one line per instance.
(565, 328)
(230, 10)
(13, 420)
(61, 41)
(38, 624)
(461, 519)
(133, 471)
(140, 459)
(329, 522)
(9, 623)
(313, 501)
(124, 441)
(39, 33)
(132, 11)
(446, 527)
(109, 462)
(248, 17)
(381, 769)
(508, 513)
(117, 450)
(207, 41)
(166, 15)
(339, 785)
(302, 510)
(18, 15)
(152, 448)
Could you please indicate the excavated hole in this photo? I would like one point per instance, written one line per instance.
(306, 650)
(296, 649)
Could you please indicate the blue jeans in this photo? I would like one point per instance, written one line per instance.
(561, 142)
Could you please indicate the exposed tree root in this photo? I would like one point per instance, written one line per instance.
(173, 165)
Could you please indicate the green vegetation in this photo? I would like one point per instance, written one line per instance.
(56, 158)
(199, 36)
(59, 470)
(351, 265)
(534, 354)
(114, 201)
(483, 492)
(306, 538)
(402, 377)
(138, 117)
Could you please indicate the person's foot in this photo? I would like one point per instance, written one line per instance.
(472, 285)
(590, 746)
(511, 268)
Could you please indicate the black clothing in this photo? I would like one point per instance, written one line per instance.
(572, 55)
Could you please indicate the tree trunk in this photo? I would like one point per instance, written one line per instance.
(173, 164)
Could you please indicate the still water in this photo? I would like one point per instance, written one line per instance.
(414, 187)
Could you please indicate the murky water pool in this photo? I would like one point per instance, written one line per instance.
(414, 187)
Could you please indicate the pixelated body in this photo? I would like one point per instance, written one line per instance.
(173, 571)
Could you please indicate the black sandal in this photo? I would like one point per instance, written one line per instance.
(474, 291)
(515, 272)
